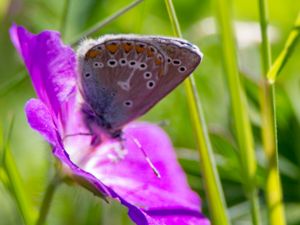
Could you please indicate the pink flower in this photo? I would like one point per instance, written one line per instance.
(106, 170)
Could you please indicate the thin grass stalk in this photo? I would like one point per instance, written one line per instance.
(105, 22)
(63, 22)
(213, 189)
(286, 52)
(11, 177)
(269, 135)
(47, 199)
(13, 82)
(243, 131)
(21, 76)
(18, 189)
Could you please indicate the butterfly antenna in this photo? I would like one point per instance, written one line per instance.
(154, 169)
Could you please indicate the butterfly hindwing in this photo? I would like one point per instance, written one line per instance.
(123, 76)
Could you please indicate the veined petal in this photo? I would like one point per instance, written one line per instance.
(50, 63)
(81, 176)
(40, 119)
(165, 200)
(150, 200)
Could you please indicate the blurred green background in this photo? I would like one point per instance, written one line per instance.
(74, 205)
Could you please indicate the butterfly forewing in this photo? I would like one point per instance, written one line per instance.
(123, 76)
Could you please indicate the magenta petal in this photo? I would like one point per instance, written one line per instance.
(50, 63)
(165, 200)
(40, 119)
(150, 200)
(84, 178)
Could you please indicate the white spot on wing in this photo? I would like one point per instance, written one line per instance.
(150, 84)
(182, 69)
(123, 61)
(124, 85)
(143, 66)
(132, 63)
(112, 63)
(176, 62)
(147, 75)
(97, 65)
(128, 103)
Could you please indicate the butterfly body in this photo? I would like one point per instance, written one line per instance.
(122, 76)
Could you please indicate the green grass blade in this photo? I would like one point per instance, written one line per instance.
(213, 189)
(47, 199)
(17, 188)
(63, 23)
(286, 52)
(241, 119)
(269, 135)
(12, 83)
(16, 185)
(108, 20)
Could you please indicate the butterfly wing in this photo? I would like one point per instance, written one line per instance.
(123, 76)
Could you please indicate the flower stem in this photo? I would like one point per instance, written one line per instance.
(46, 203)
(214, 192)
(269, 135)
(243, 131)
(106, 21)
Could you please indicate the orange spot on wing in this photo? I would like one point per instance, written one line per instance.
(112, 48)
(158, 61)
(127, 47)
(92, 54)
(149, 52)
(139, 49)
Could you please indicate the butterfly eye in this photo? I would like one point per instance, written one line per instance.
(147, 75)
(150, 84)
(169, 60)
(182, 69)
(128, 103)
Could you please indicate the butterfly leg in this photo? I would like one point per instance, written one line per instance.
(96, 140)
(76, 134)
(90, 120)
(118, 136)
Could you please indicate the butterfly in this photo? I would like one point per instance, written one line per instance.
(121, 77)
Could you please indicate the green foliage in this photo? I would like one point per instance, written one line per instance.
(31, 157)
